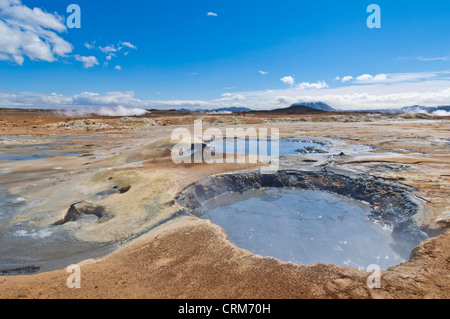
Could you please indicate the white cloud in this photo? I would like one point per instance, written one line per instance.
(401, 77)
(111, 50)
(112, 47)
(31, 33)
(442, 58)
(317, 85)
(364, 77)
(88, 61)
(108, 99)
(13, 10)
(35, 34)
(430, 91)
(346, 78)
(31, 100)
(285, 100)
(108, 49)
(289, 80)
(212, 14)
(129, 45)
(90, 46)
(263, 72)
(118, 68)
(231, 97)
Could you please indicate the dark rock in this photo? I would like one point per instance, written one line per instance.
(124, 189)
(79, 209)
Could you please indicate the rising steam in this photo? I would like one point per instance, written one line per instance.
(104, 111)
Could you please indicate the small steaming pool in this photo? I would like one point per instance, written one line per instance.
(252, 146)
(303, 226)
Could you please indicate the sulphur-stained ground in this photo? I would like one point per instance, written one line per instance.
(122, 167)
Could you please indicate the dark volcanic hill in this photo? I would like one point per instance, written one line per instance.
(317, 105)
(292, 110)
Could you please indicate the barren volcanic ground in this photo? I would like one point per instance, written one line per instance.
(105, 191)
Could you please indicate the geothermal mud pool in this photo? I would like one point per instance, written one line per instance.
(321, 216)
(287, 146)
(304, 227)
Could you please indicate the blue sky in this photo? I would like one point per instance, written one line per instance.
(260, 54)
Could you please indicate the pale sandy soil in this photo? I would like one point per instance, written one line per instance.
(186, 257)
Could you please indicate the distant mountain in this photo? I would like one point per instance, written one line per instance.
(296, 108)
(317, 105)
(220, 110)
(292, 110)
(232, 109)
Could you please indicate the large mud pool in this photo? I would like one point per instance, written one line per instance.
(304, 226)
(312, 216)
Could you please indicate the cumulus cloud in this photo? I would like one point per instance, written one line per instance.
(263, 72)
(33, 100)
(401, 77)
(118, 68)
(317, 85)
(377, 95)
(128, 44)
(369, 78)
(364, 77)
(441, 58)
(289, 80)
(231, 97)
(212, 14)
(108, 49)
(88, 61)
(108, 99)
(113, 49)
(285, 100)
(346, 78)
(90, 46)
(32, 33)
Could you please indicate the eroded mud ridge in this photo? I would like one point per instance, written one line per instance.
(392, 204)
